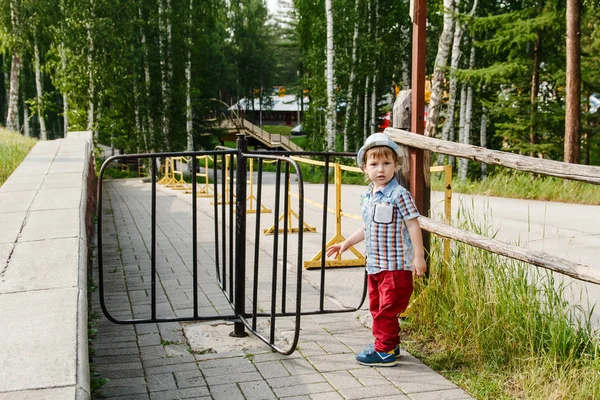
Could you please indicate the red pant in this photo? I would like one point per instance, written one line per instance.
(389, 293)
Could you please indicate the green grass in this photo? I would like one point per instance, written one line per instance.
(278, 129)
(14, 147)
(523, 185)
(502, 329)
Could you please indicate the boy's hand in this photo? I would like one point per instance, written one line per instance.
(419, 266)
(336, 249)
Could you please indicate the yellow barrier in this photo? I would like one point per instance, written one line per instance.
(289, 213)
(227, 183)
(203, 189)
(178, 182)
(316, 261)
(250, 208)
(168, 175)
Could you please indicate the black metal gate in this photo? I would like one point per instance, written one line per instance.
(230, 243)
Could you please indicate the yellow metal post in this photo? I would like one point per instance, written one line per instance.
(447, 170)
(204, 189)
(289, 213)
(227, 183)
(250, 207)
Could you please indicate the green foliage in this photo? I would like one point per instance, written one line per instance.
(14, 147)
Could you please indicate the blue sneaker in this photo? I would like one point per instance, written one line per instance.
(373, 358)
(371, 348)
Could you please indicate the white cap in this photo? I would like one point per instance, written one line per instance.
(375, 140)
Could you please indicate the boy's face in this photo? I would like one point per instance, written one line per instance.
(380, 166)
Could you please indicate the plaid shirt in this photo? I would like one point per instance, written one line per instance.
(388, 244)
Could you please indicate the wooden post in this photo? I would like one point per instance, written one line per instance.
(419, 182)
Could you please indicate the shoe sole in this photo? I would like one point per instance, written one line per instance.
(388, 364)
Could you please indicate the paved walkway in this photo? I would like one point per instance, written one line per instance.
(178, 360)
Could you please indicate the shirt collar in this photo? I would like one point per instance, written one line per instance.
(387, 189)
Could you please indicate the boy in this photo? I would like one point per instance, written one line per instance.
(394, 246)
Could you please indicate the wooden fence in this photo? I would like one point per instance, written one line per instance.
(584, 173)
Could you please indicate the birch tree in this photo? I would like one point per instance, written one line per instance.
(188, 94)
(164, 33)
(483, 138)
(466, 134)
(39, 88)
(441, 60)
(149, 128)
(12, 116)
(90, 66)
(350, 98)
(330, 79)
(448, 128)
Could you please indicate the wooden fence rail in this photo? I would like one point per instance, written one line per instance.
(584, 173)
(544, 260)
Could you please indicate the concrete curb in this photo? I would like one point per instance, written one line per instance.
(44, 214)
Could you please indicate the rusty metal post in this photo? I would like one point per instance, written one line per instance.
(419, 181)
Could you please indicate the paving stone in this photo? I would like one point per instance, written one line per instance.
(342, 380)
(232, 378)
(160, 382)
(108, 390)
(143, 396)
(450, 394)
(298, 366)
(139, 381)
(371, 392)
(189, 379)
(226, 392)
(191, 393)
(272, 369)
(257, 390)
(311, 388)
(327, 396)
(296, 380)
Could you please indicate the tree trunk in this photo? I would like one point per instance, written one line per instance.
(535, 87)
(373, 120)
(150, 127)
(6, 68)
(462, 163)
(455, 59)
(573, 89)
(586, 135)
(138, 120)
(331, 103)
(164, 45)
(468, 115)
(90, 59)
(350, 99)
(375, 24)
(26, 130)
(12, 115)
(483, 138)
(441, 60)
(188, 94)
(366, 113)
(65, 97)
(39, 90)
